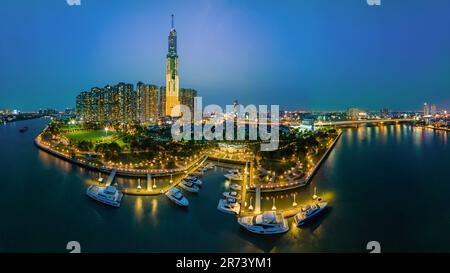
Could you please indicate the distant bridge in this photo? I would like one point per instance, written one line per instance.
(356, 122)
(335, 123)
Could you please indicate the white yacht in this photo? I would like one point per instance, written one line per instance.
(198, 173)
(209, 166)
(107, 195)
(234, 175)
(229, 205)
(176, 196)
(194, 180)
(189, 186)
(235, 187)
(269, 222)
(232, 194)
(309, 212)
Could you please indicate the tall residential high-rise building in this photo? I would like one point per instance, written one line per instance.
(356, 113)
(81, 105)
(433, 110)
(426, 109)
(110, 108)
(108, 105)
(147, 102)
(172, 81)
(162, 101)
(187, 98)
(127, 102)
(98, 105)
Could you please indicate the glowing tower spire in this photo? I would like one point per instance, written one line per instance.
(172, 81)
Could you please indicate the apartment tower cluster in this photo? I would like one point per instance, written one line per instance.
(122, 103)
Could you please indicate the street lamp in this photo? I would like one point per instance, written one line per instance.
(139, 185)
(106, 130)
(314, 197)
(250, 207)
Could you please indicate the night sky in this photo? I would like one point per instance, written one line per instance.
(311, 55)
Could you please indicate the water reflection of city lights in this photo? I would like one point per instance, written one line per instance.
(139, 209)
(154, 207)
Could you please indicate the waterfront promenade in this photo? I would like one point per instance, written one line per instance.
(289, 185)
(154, 187)
(175, 174)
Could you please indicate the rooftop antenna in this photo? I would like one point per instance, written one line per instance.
(172, 22)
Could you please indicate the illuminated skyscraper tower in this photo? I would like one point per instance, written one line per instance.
(172, 82)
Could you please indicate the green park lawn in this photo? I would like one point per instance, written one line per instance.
(91, 135)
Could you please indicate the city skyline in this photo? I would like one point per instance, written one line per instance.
(122, 103)
(228, 50)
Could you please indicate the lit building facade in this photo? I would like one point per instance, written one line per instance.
(162, 101)
(426, 109)
(172, 81)
(356, 114)
(147, 102)
(187, 98)
(433, 110)
(108, 105)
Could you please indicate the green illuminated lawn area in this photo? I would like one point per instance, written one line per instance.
(91, 135)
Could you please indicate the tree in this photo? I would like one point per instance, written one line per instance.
(84, 145)
(114, 149)
(54, 128)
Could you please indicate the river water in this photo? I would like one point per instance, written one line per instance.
(389, 184)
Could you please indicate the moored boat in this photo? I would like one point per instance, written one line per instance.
(194, 180)
(231, 194)
(189, 186)
(308, 212)
(177, 197)
(229, 205)
(235, 187)
(198, 173)
(234, 175)
(269, 222)
(109, 195)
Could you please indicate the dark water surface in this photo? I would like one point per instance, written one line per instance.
(390, 184)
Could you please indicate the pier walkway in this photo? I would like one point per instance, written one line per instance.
(111, 177)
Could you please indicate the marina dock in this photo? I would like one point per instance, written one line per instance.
(111, 177)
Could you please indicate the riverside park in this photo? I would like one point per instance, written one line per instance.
(149, 153)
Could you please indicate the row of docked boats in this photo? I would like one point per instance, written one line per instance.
(112, 196)
(273, 222)
(190, 183)
(269, 222)
(230, 203)
(201, 170)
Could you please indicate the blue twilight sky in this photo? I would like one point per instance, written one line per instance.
(311, 54)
